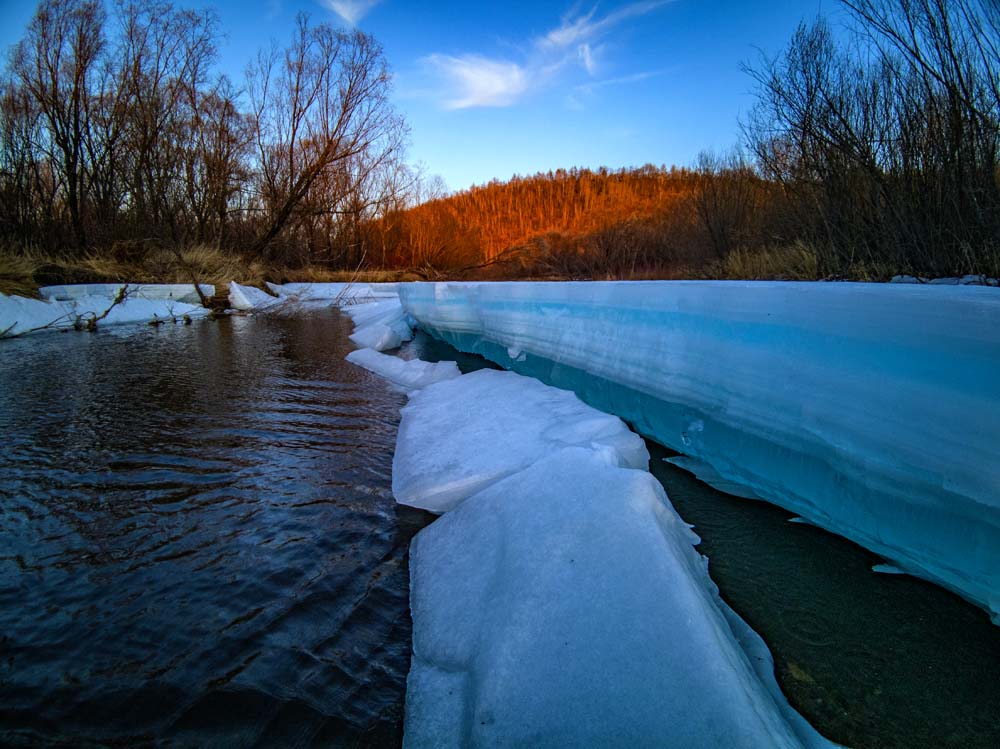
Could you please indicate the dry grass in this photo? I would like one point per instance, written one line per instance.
(16, 274)
(319, 274)
(22, 273)
(795, 262)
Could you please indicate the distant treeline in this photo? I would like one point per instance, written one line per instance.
(874, 155)
(871, 151)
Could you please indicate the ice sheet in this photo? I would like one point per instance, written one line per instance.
(180, 292)
(565, 606)
(249, 298)
(409, 375)
(380, 325)
(19, 315)
(460, 436)
(345, 292)
(873, 410)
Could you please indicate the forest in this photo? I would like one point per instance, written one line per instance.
(124, 155)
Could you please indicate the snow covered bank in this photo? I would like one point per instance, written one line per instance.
(871, 410)
(19, 315)
(380, 325)
(297, 297)
(560, 601)
(409, 375)
(178, 292)
(442, 456)
(345, 292)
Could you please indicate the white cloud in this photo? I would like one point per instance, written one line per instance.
(479, 81)
(473, 80)
(588, 88)
(351, 11)
(585, 27)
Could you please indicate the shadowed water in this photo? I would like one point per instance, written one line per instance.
(871, 660)
(198, 542)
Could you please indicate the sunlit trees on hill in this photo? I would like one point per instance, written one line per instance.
(870, 152)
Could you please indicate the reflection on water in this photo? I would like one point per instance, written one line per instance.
(198, 542)
(871, 660)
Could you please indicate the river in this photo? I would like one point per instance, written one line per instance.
(198, 545)
(198, 541)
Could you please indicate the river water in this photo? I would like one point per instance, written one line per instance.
(198, 546)
(198, 542)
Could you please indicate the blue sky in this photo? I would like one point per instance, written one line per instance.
(501, 88)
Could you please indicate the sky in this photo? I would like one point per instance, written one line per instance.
(494, 89)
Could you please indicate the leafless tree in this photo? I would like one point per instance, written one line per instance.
(56, 63)
(317, 107)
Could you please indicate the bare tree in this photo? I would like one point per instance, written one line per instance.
(317, 107)
(56, 64)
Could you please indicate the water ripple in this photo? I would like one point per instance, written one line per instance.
(199, 543)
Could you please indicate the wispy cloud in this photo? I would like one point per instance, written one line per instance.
(480, 82)
(590, 86)
(351, 11)
(576, 28)
(475, 80)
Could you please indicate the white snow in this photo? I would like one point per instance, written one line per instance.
(19, 315)
(179, 292)
(249, 298)
(462, 435)
(342, 292)
(872, 410)
(566, 606)
(967, 280)
(380, 325)
(408, 374)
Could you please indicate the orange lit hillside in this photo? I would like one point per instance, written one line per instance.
(477, 225)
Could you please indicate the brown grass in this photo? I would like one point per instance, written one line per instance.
(795, 262)
(22, 273)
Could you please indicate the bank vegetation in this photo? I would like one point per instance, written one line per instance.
(872, 150)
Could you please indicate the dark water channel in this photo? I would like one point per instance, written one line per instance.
(198, 546)
(871, 660)
(198, 542)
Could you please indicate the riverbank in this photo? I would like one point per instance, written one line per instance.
(23, 273)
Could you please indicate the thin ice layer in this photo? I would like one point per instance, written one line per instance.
(873, 410)
(345, 292)
(179, 292)
(566, 606)
(459, 436)
(19, 315)
(380, 325)
(249, 298)
(409, 375)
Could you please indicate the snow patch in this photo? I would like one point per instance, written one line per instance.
(409, 375)
(457, 437)
(19, 315)
(565, 605)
